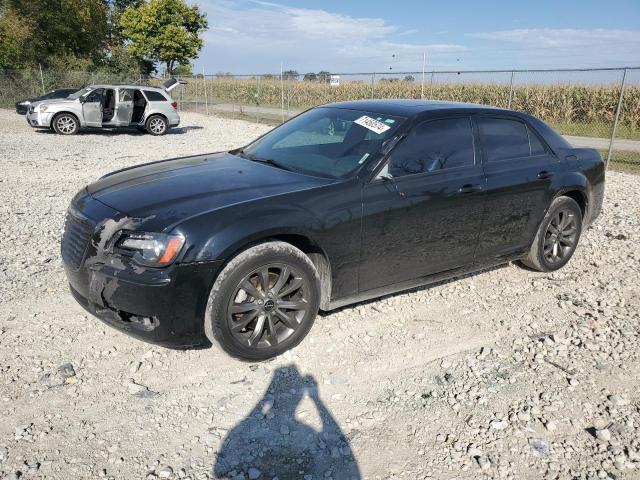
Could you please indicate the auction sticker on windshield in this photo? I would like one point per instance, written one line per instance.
(372, 124)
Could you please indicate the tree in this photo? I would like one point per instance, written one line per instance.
(324, 76)
(16, 48)
(290, 75)
(55, 29)
(310, 77)
(166, 31)
(409, 78)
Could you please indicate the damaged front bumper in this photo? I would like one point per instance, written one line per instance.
(165, 306)
(165, 309)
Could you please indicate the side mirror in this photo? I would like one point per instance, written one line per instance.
(387, 177)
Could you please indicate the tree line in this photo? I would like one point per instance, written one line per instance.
(114, 36)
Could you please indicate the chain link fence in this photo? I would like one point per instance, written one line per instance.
(598, 108)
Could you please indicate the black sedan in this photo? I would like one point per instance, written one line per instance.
(22, 107)
(343, 203)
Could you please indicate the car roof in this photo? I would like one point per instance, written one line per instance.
(146, 87)
(410, 107)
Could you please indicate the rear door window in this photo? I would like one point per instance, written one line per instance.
(504, 139)
(154, 96)
(434, 145)
(537, 148)
(125, 95)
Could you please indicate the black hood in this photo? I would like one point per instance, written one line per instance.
(168, 192)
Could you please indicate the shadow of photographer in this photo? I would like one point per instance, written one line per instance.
(271, 442)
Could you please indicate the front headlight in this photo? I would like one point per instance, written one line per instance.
(43, 108)
(151, 249)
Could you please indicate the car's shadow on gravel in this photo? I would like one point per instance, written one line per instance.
(270, 442)
(113, 132)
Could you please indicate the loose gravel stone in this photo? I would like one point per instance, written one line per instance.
(499, 373)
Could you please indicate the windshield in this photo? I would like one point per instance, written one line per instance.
(325, 141)
(79, 93)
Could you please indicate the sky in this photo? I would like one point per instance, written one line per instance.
(253, 36)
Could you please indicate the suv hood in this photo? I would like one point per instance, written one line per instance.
(52, 101)
(170, 191)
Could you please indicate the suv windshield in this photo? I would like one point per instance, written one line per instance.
(325, 141)
(79, 93)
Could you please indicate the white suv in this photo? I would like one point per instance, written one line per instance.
(107, 106)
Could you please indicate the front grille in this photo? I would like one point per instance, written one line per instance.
(75, 239)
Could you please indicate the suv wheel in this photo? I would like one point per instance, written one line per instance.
(557, 236)
(263, 302)
(65, 124)
(156, 125)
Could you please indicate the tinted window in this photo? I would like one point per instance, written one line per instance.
(502, 138)
(536, 145)
(432, 146)
(61, 93)
(154, 96)
(95, 96)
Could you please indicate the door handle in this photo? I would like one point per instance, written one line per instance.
(545, 174)
(469, 188)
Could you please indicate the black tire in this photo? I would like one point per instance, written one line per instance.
(553, 247)
(65, 124)
(267, 334)
(156, 125)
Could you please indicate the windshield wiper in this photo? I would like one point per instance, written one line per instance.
(253, 158)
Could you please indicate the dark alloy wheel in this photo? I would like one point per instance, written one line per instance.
(268, 306)
(263, 302)
(557, 236)
(561, 236)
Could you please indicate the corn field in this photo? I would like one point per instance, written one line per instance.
(554, 103)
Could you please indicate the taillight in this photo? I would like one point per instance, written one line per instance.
(174, 105)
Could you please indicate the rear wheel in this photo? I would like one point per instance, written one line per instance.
(156, 125)
(557, 236)
(65, 124)
(263, 302)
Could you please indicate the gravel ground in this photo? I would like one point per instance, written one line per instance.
(503, 374)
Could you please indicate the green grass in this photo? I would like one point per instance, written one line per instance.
(623, 161)
(598, 130)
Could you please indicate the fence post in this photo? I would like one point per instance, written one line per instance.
(431, 86)
(373, 82)
(281, 93)
(424, 61)
(617, 117)
(510, 90)
(41, 79)
(206, 95)
(258, 77)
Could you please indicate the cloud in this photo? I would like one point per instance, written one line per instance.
(257, 35)
(563, 37)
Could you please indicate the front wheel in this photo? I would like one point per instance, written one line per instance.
(557, 236)
(65, 124)
(264, 301)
